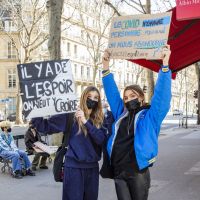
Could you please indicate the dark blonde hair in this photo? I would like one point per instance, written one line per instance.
(136, 88)
(96, 116)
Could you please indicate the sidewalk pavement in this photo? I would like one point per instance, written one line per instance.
(40, 187)
(43, 186)
(179, 130)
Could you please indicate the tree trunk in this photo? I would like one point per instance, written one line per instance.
(19, 119)
(197, 66)
(150, 83)
(54, 8)
(94, 75)
(149, 73)
(181, 88)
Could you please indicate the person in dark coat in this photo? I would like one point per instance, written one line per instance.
(31, 137)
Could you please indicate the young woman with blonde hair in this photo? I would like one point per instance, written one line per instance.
(81, 170)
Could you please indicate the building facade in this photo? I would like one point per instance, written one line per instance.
(79, 26)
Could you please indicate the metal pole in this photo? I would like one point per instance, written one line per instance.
(186, 119)
(6, 111)
(198, 105)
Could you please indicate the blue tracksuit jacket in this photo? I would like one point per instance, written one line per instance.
(147, 121)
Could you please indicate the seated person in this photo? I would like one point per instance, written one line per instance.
(31, 137)
(106, 109)
(108, 116)
(9, 150)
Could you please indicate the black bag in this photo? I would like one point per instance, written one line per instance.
(58, 165)
(106, 170)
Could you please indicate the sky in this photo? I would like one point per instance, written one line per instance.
(157, 6)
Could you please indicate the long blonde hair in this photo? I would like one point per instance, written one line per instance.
(96, 116)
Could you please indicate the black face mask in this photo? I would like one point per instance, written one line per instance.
(91, 104)
(132, 105)
(9, 130)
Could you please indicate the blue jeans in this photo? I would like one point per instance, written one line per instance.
(15, 157)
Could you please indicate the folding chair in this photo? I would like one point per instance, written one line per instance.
(6, 164)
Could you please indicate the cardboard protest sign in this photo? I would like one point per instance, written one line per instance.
(40, 147)
(139, 36)
(47, 88)
(38, 150)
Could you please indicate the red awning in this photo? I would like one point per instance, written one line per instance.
(184, 41)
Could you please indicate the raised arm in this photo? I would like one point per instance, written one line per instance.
(160, 103)
(54, 124)
(110, 88)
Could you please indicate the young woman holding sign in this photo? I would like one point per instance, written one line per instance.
(133, 145)
(81, 171)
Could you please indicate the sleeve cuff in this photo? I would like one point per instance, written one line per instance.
(165, 68)
(88, 124)
(105, 72)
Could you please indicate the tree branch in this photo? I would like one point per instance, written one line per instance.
(112, 6)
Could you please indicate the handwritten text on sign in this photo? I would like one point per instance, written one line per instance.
(47, 88)
(139, 36)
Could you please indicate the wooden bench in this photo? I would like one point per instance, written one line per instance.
(17, 138)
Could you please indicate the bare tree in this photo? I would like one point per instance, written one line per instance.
(185, 86)
(180, 80)
(94, 38)
(163, 5)
(150, 78)
(197, 67)
(54, 8)
(138, 71)
(145, 9)
(28, 18)
(136, 5)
